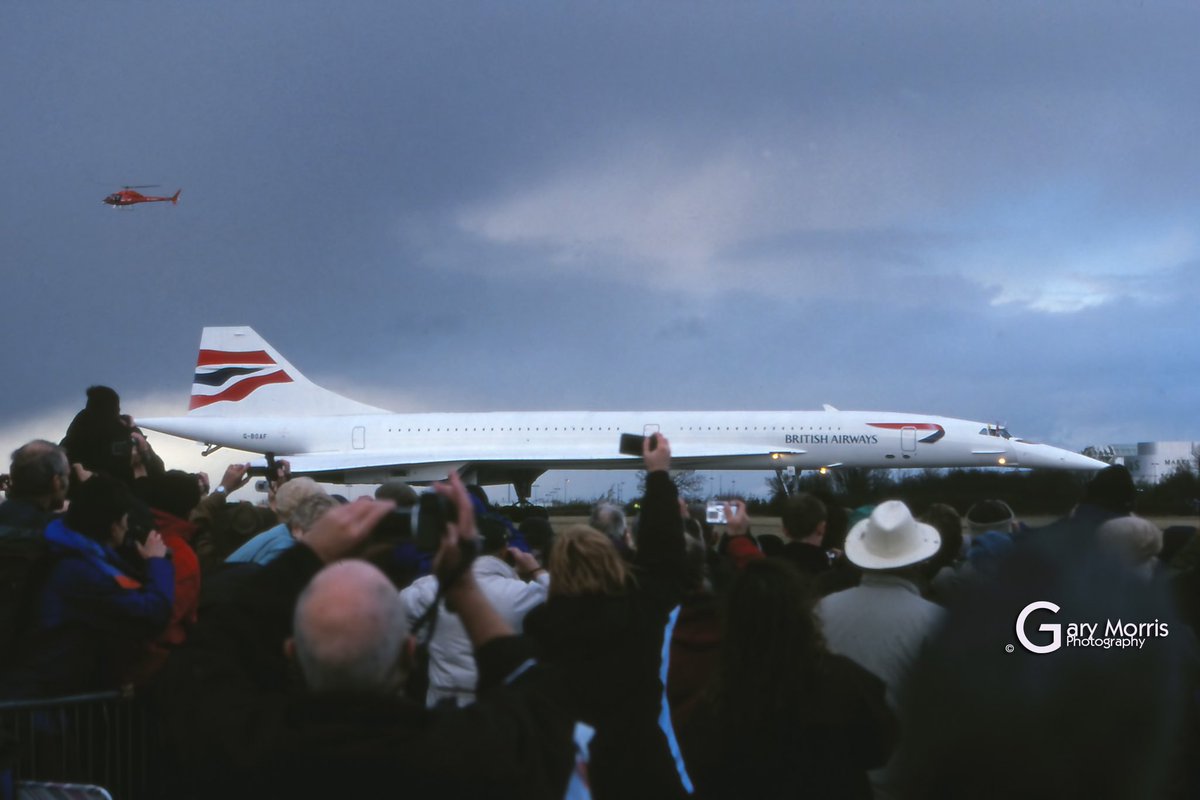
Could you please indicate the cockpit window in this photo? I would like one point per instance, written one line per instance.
(996, 430)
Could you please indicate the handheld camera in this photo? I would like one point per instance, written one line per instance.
(423, 522)
(715, 513)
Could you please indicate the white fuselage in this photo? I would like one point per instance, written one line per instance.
(589, 439)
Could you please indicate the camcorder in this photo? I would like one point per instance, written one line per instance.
(423, 523)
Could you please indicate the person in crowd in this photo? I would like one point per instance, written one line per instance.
(96, 613)
(837, 523)
(237, 727)
(803, 521)
(785, 718)
(396, 490)
(843, 574)
(609, 519)
(987, 541)
(987, 717)
(98, 438)
(513, 582)
(172, 497)
(805, 525)
(945, 518)
(736, 546)
(223, 526)
(539, 533)
(1134, 541)
(696, 637)
(883, 622)
(36, 489)
(990, 515)
(1110, 493)
(608, 625)
(38, 480)
(266, 546)
(101, 439)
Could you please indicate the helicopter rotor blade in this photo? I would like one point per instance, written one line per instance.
(144, 186)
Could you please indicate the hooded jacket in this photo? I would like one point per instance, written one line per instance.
(93, 616)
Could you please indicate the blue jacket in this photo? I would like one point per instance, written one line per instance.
(92, 619)
(90, 584)
(265, 547)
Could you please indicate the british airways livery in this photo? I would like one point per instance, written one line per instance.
(246, 395)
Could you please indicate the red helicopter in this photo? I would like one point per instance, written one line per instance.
(128, 197)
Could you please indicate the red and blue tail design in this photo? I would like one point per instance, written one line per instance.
(238, 374)
(233, 375)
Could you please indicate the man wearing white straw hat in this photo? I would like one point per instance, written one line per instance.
(883, 622)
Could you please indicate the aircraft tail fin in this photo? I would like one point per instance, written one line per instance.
(239, 375)
(175, 197)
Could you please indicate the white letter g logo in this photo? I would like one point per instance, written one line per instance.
(1051, 627)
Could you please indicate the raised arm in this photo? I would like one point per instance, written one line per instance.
(660, 546)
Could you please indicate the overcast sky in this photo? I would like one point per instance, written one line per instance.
(973, 209)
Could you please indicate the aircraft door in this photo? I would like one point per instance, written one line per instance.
(358, 437)
(649, 429)
(908, 440)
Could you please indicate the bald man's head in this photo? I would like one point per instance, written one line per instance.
(349, 630)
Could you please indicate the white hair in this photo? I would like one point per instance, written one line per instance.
(609, 519)
(349, 629)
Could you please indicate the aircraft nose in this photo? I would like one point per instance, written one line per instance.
(1040, 455)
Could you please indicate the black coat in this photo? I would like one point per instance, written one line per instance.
(101, 442)
(822, 750)
(612, 650)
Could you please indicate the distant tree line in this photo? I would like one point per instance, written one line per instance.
(1029, 492)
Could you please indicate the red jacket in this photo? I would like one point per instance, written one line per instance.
(177, 536)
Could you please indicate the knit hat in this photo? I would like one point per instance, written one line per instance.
(1135, 539)
(990, 515)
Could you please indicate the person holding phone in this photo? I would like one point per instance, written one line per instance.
(606, 623)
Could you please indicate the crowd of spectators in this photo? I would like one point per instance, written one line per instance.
(311, 647)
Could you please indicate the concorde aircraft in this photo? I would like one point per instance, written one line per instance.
(248, 396)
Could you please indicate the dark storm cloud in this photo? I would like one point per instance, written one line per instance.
(970, 209)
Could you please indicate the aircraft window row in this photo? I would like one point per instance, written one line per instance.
(764, 428)
(985, 431)
(493, 430)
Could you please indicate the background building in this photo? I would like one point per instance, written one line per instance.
(1149, 462)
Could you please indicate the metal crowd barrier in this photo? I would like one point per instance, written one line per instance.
(99, 739)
